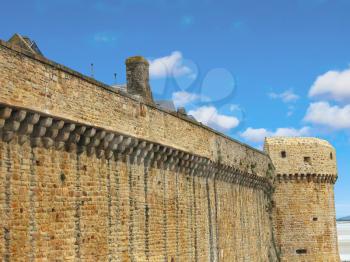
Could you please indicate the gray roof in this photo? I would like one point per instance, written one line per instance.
(25, 43)
(166, 105)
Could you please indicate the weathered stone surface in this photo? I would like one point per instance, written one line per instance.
(91, 173)
(304, 215)
(137, 75)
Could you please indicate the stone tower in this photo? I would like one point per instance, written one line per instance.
(304, 214)
(137, 75)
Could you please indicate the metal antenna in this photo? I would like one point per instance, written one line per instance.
(115, 78)
(92, 70)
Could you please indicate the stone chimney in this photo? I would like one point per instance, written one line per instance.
(137, 75)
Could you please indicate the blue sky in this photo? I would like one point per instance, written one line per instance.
(247, 68)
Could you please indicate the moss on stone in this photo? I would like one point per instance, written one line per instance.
(136, 59)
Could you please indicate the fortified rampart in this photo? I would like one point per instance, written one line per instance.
(304, 217)
(88, 172)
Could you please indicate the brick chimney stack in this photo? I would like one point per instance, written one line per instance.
(137, 74)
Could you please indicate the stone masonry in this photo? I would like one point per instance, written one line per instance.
(304, 217)
(92, 173)
(137, 74)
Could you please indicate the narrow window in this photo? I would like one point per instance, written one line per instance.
(307, 160)
(301, 251)
(283, 154)
(331, 155)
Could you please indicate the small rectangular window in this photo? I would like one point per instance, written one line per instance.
(307, 160)
(301, 251)
(283, 154)
(315, 219)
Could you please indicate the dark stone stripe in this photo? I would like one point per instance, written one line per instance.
(109, 211)
(32, 223)
(177, 214)
(165, 226)
(189, 213)
(7, 235)
(131, 210)
(259, 221)
(145, 181)
(242, 215)
(77, 216)
(195, 219)
(117, 204)
(210, 223)
(216, 220)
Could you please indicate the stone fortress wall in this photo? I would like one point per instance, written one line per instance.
(304, 217)
(91, 173)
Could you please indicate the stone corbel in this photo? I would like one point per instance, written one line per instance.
(63, 135)
(46, 131)
(27, 127)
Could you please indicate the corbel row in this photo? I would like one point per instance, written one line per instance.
(45, 131)
(316, 178)
(232, 175)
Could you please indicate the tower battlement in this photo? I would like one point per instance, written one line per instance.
(302, 156)
(304, 214)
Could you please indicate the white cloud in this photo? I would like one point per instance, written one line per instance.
(209, 115)
(172, 65)
(332, 85)
(304, 131)
(182, 98)
(105, 37)
(286, 96)
(322, 113)
(257, 135)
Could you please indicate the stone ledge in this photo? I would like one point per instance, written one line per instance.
(316, 178)
(40, 130)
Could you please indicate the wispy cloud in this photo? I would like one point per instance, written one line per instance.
(171, 65)
(183, 98)
(235, 107)
(257, 135)
(210, 116)
(105, 37)
(287, 96)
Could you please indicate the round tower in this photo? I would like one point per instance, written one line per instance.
(304, 213)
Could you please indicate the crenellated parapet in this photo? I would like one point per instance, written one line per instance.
(306, 171)
(41, 130)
